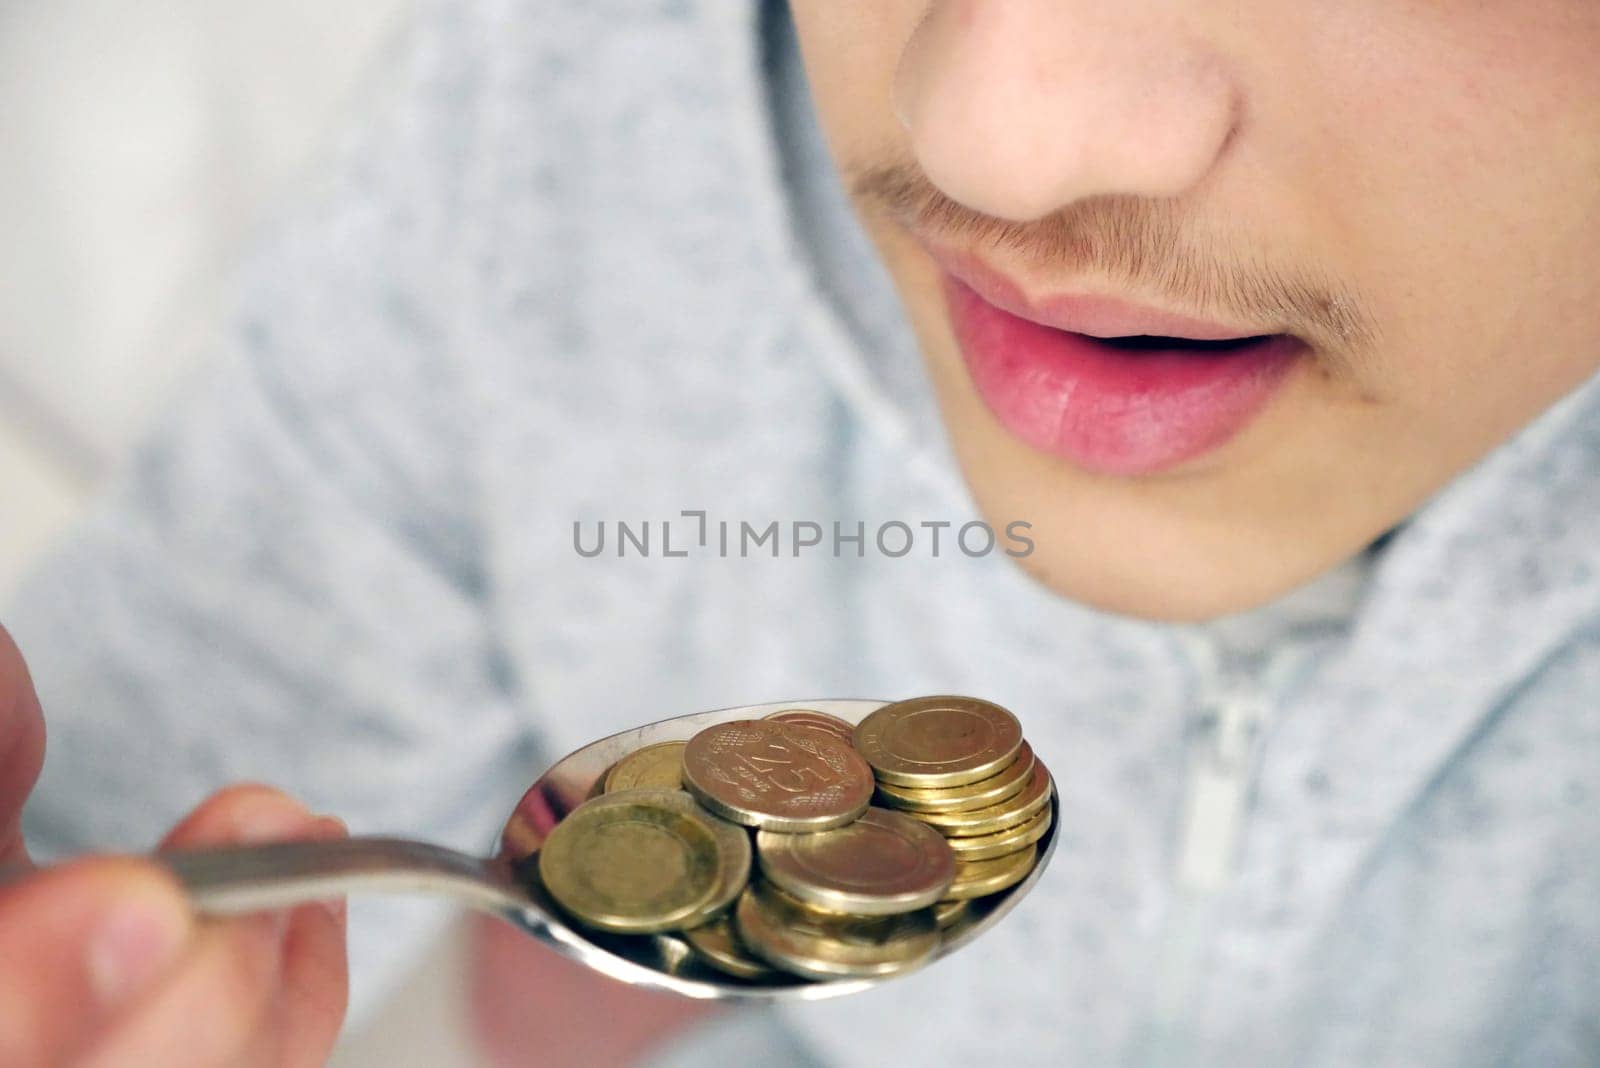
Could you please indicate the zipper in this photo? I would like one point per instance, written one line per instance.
(1236, 697)
(1235, 706)
(1220, 774)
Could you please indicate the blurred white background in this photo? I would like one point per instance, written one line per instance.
(139, 140)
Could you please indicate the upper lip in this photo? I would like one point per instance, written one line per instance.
(1091, 314)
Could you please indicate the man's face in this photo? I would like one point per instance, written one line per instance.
(1359, 245)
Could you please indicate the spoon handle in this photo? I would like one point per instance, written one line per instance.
(235, 879)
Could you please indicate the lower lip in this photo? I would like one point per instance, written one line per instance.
(1108, 410)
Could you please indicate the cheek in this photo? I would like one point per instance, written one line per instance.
(1458, 153)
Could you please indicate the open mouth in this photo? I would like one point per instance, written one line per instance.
(1160, 343)
(1125, 404)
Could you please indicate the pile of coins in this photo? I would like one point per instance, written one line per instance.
(832, 886)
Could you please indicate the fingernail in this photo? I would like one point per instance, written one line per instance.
(132, 946)
(336, 908)
(331, 827)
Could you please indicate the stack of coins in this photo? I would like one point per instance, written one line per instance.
(961, 766)
(833, 886)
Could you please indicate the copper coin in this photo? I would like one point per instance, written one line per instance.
(833, 726)
(1008, 813)
(880, 864)
(658, 765)
(980, 794)
(765, 774)
(933, 742)
(631, 864)
(826, 945)
(719, 945)
(998, 844)
(979, 878)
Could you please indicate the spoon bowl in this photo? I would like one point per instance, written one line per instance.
(666, 963)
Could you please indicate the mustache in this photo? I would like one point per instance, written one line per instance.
(1147, 243)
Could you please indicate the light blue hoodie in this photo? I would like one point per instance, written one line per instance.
(561, 281)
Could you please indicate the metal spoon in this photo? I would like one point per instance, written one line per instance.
(239, 879)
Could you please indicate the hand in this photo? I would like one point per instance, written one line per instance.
(103, 963)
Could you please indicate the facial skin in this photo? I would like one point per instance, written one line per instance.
(1411, 191)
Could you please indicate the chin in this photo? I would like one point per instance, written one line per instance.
(1137, 591)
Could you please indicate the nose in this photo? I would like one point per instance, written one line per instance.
(1017, 108)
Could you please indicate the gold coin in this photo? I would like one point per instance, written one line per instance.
(642, 861)
(986, 846)
(978, 878)
(1008, 813)
(832, 726)
(719, 945)
(736, 857)
(947, 913)
(981, 794)
(933, 742)
(658, 765)
(765, 774)
(881, 864)
(823, 945)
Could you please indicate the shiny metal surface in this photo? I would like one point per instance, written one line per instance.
(644, 862)
(1039, 793)
(831, 945)
(767, 774)
(248, 878)
(981, 794)
(659, 765)
(883, 863)
(838, 728)
(939, 741)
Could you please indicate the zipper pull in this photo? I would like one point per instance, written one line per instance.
(1219, 784)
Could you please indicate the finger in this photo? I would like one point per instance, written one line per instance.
(304, 1020)
(228, 988)
(249, 812)
(316, 970)
(21, 746)
(79, 944)
(209, 1009)
(305, 1023)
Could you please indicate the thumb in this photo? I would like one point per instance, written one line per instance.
(78, 944)
(21, 746)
